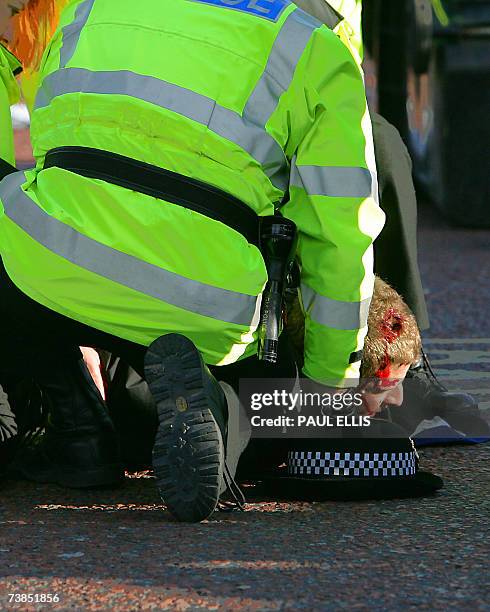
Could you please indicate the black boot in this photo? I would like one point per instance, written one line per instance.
(460, 410)
(193, 440)
(79, 447)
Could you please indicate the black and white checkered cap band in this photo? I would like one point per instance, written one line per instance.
(322, 463)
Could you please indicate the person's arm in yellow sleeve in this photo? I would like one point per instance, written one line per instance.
(333, 201)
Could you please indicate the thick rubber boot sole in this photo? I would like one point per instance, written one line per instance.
(188, 454)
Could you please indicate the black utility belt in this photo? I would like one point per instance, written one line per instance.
(159, 183)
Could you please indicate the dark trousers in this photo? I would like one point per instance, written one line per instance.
(132, 409)
(35, 340)
(37, 347)
(395, 250)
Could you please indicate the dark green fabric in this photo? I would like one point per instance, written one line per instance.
(395, 249)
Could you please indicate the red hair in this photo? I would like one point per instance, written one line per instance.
(32, 29)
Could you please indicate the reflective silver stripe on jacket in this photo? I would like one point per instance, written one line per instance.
(286, 52)
(222, 121)
(127, 270)
(72, 31)
(333, 313)
(333, 181)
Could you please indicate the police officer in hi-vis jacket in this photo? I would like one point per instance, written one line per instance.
(163, 132)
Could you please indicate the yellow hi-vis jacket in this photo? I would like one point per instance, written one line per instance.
(254, 97)
(9, 94)
(351, 10)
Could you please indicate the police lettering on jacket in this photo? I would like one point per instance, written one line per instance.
(269, 9)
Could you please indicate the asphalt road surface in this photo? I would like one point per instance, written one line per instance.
(119, 549)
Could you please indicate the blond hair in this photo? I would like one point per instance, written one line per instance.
(393, 335)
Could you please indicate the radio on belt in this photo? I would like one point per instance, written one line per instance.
(278, 238)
